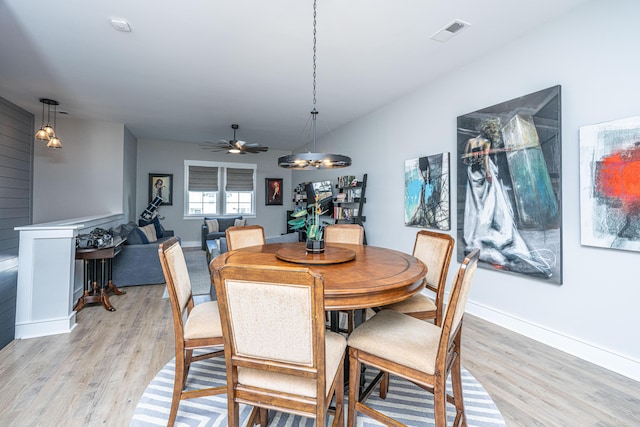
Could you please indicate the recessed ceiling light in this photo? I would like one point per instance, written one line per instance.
(120, 25)
(450, 30)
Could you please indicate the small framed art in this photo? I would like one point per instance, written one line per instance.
(161, 185)
(273, 191)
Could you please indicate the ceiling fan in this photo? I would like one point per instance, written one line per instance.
(235, 146)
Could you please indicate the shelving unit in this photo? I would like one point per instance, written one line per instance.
(349, 202)
(299, 202)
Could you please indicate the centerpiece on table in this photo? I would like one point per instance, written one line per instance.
(315, 228)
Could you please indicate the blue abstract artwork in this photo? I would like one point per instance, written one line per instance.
(426, 201)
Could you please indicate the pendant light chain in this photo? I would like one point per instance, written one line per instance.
(314, 160)
(315, 6)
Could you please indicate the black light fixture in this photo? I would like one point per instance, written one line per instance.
(309, 161)
(47, 132)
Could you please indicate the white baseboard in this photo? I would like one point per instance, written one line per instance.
(607, 359)
(191, 244)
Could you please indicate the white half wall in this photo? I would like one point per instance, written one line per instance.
(592, 54)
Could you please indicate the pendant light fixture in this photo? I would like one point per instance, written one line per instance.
(47, 132)
(314, 160)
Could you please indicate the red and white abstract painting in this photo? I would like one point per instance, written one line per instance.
(610, 184)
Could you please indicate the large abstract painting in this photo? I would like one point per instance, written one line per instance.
(509, 201)
(426, 194)
(610, 184)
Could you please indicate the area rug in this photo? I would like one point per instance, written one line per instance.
(405, 402)
(198, 272)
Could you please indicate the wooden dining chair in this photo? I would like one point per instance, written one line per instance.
(279, 355)
(195, 326)
(351, 234)
(242, 236)
(418, 351)
(434, 250)
(344, 233)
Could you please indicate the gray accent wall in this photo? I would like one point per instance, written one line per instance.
(16, 166)
(156, 156)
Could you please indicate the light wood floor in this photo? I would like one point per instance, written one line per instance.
(95, 375)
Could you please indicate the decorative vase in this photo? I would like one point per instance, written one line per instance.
(315, 246)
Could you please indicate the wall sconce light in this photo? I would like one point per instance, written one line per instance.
(47, 132)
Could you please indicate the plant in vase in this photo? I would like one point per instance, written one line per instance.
(310, 218)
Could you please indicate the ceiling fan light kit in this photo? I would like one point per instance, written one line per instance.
(236, 146)
(311, 161)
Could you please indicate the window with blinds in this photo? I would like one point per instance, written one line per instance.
(215, 188)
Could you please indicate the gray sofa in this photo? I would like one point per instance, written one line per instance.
(223, 224)
(138, 263)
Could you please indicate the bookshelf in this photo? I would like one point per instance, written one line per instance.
(348, 204)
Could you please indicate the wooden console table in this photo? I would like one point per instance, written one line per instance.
(97, 275)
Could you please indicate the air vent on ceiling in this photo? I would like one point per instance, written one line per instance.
(450, 30)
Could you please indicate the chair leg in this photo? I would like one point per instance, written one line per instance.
(178, 385)
(350, 321)
(233, 410)
(440, 403)
(456, 385)
(187, 365)
(354, 383)
(384, 385)
(264, 417)
(338, 420)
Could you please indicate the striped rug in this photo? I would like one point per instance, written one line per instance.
(405, 402)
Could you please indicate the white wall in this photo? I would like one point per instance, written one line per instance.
(130, 164)
(85, 177)
(592, 54)
(155, 156)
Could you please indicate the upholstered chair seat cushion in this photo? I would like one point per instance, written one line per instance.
(399, 338)
(335, 345)
(418, 302)
(203, 321)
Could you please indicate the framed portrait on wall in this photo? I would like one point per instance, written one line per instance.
(161, 185)
(273, 191)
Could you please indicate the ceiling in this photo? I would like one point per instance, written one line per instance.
(189, 69)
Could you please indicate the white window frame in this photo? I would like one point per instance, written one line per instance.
(222, 182)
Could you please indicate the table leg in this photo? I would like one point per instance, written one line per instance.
(111, 287)
(85, 285)
(104, 298)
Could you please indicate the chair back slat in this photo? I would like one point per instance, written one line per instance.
(344, 233)
(177, 268)
(434, 250)
(239, 237)
(266, 309)
(458, 299)
(258, 330)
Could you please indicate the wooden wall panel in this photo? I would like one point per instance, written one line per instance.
(16, 204)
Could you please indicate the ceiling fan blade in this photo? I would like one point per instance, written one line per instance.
(259, 149)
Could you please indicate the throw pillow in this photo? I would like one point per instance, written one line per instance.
(212, 225)
(150, 233)
(240, 222)
(136, 237)
(156, 223)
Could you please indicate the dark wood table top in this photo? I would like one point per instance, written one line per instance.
(101, 253)
(377, 276)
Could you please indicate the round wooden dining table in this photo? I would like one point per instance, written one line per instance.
(355, 276)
